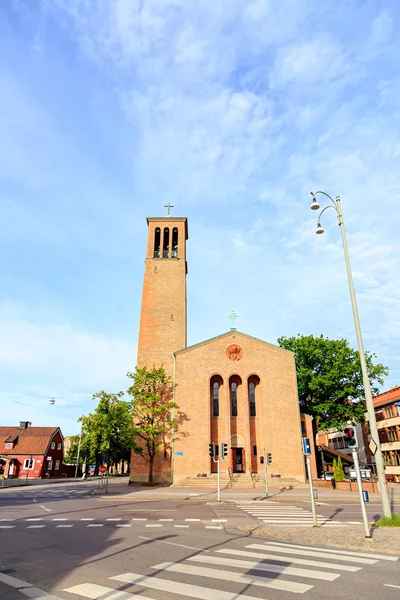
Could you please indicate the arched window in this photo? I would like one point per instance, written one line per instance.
(234, 403)
(174, 253)
(157, 242)
(215, 399)
(215, 385)
(166, 243)
(252, 398)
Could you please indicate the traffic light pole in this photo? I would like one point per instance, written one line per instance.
(360, 492)
(266, 480)
(309, 475)
(219, 480)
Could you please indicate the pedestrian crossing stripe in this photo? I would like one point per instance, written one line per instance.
(280, 515)
(210, 567)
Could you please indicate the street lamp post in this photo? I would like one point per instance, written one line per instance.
(380, 468)
(79, 451)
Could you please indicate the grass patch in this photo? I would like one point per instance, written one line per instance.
(393, 521)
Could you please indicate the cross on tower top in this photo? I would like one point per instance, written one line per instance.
(233, 318)
(169, 206)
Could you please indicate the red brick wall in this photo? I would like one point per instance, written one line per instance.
(277, 424)
(163, 313)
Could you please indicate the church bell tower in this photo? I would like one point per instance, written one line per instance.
(163, 313)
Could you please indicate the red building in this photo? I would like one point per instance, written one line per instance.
(31, 452)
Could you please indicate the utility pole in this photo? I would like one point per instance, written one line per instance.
(307, 453)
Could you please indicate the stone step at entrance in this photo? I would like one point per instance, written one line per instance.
(238, 480)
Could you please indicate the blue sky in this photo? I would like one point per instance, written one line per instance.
(232, 111)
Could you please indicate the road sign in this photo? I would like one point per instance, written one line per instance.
(306, 446)
(178, 453)
(373, 446)
(103, 469)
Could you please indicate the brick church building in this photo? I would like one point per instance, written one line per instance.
(232, 388)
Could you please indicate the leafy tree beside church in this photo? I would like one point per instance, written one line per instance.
(329, 379)
(152, 408)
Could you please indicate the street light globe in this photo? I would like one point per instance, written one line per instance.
(315, 204)
(319, 229)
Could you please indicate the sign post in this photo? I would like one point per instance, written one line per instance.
(264, 464)
(307, 453)
(360, 493)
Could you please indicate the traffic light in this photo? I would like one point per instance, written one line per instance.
(224, 450)
(351, 437)
(211, 450)
(269, 458)
(261, 460)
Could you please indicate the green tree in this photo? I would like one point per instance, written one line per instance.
(71, 455)
(152, 402)
(107, 432)
(338, 473)
(329, 379)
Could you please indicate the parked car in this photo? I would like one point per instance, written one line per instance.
(327, 475)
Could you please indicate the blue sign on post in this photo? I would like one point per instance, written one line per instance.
(178, 453)
(306, 446)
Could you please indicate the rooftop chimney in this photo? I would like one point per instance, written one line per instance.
(24, 424)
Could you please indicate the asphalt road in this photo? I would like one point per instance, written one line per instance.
(74, 546)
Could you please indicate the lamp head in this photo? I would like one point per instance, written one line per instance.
(319, 229)
(314, 204)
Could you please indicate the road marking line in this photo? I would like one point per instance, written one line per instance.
(167, 520)
(153, 525)
(324, 550)
(36, 526)
(7, 526)
(289, 559)
(59, 519)
(114, 519)
(26, 588)
(354, 522)
(64, 526)
(94, 591)
(286, 586)
(197, 520)
(48, 509)
(182, 526)
(270, 568)
(219, 521)
(40, 519)
(175, 587)
(391, 585)
(7, 520)
(310, 552)
(139, 519)
(142, 537)
(124, 525)
(87, 519)
(214, 527)
(95, 525)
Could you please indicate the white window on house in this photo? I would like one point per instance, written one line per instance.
(9, 445)
(59, 446)
(53, 445)
(49, 464)
(57, 465)
(28, 463)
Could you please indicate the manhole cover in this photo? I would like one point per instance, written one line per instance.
(8, 570)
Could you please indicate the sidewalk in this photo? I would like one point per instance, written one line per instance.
(384, 539)
(138, 492)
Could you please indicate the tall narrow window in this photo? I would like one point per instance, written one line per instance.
(215, 387)
(215, 392)
(166, 243)
(157, 242)
(174, 253)
(234, 406)
(252, 399)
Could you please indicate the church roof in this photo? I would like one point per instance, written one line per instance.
(226, 334)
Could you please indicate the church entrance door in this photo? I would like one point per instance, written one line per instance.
(238, 461)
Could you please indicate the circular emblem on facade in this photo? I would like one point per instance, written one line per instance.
(234, 352)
